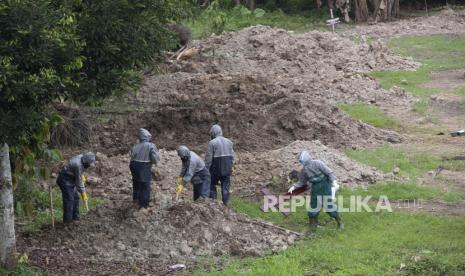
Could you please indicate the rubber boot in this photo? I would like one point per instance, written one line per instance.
(313, 221)
(339, 221)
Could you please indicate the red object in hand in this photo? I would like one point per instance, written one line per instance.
(298, 191)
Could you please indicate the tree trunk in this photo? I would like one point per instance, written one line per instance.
(361, 10)
(7, 221)
(238, 2)
(251, 4)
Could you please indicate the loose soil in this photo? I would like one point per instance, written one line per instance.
(266, 87)
(446, 22)
(275, 93)
(182, 234)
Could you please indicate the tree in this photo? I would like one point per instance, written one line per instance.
(68, 50)
(7, 242)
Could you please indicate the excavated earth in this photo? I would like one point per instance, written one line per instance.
(111, 179)
(445, 22)
(119, 238)
(267, 87)
(275, 93)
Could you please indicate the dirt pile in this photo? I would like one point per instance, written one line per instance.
(179, 234)
(111, 179)
(267, 87)
(271, 168)
(447, 21)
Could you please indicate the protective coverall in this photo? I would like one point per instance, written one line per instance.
(194, 170)
(321, 179)
(143, 155)
(219, 160)
(70, 182)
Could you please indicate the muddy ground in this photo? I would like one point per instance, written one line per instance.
(275, 93)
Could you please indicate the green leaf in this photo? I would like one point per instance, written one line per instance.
(44, 173)
(244, 11)
(259, 12)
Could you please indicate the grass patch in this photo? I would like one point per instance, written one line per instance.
(235, 20)
(369, 114)
(460, 90)
(411, 164)
(411, 81)
(21, 270)
(437, 52)
(41, 215)
(421, 106)
(371, 244)
(404, 191)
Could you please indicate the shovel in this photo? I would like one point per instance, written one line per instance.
(87, 205)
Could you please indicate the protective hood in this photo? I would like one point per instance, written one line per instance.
(304, 157)
(88, 158)
(144, 135)
(183, 151)
(216, 131)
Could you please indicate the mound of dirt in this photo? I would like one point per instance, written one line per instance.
(448, 21)
(271, 168)
(179, 234)
(267, 87)
(111, 178)
(450, 104)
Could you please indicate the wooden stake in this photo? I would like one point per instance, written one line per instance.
(52, 216)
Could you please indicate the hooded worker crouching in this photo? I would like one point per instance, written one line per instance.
(70, 181)
(143, 155)
(219, 160)
(193, 170)
(323, 187)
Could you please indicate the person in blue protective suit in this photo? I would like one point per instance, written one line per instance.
(70, 181)
(219, 160)
(143, 155)
(193, 170)
(323, 188)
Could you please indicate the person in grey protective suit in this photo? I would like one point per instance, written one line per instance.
(71, 183)
(193, 170)
(219, 160)
(143, 155)
(323, 187)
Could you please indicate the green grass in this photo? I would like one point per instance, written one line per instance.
(371, 244)
(234, 21)
(21, 270)
(369, 114)
(438, 52)
(41, 214)
(421, 106)
(411, 164)
(460, 90)
(405, 191)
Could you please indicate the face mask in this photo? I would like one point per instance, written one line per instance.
(86, 165)
(185, 158)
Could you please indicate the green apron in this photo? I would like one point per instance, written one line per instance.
(321, 186)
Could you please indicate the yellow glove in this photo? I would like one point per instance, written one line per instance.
(180, 180)
(83, 178)
(233, 169)
(84, 196)
(179, 189)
